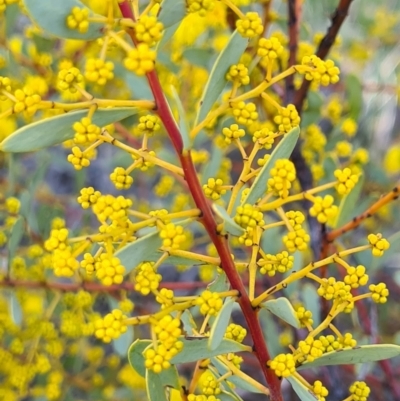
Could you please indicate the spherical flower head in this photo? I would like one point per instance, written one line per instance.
(249, 216)
(320, 71)
(85, 131)
(283, 365)
(142, 164)
(281, 262)
(282, 175)
(5, 84)
(235, 332)
(239, 74)
(68, 78)
(78, 159)
(140, 60)
(200, 6)
(99, 71)
(146, 278)
(213, 189)
(332, 289)
(349, 127)
(265, 138)
(64, 263)
(58, 239)
(112, 208)
(210, 303)
(111, 326)
(168, 330)
(149, 124)
(121, 178)
(356, 276)
(26, 101)
(320, 391)
(172, 236)
(345, 181)
(158, 359)
(245, 114)
(309, 349)
(165, 298)
(232, 133)
(379, 292)
(343, 148)
(109, 269)
(12, 205)
(78, 19)
(269, 49)
(88, 197)
(359, 391)
(288, 118)
(149, 30)
(330, 343)
(250, 26)
(360, 156)
(304, 316)
(347, 341)
(379, 244)
(323, 209)
(209, 385)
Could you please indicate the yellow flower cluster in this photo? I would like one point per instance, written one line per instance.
(58, 239)
(12, 205)
(88, 197)
(269, 49)
(356, 276)
(323, 72)
(168, 330)
(346, 181)
(111, 326)
(379, 244)
(379, 293)
(249, 217)
(112, 208)
(78, 158)
(99, 71)
(109, 269)
(146, 278)
(149, 124)
(304, 316)
(5, 84)
(250, 26)
(287, 118)
(245, 114)
(78, 19)
(235, 332)
(142, 164)
(210, 303)
(332, 289)
(281, 262)
(320, 391)
(343, 148)
(323, 209)
(85, 131)
(265, 138)
(64, 262)
(349, 127)
(232, 133)
(148, 30)
(121, 178)
(209, 385)
(282, 175)
(200, 6)
(213, 189)
(68, 78)
(165, 298)
(238, 73)
(283, 365)
(140, 60)
(308, 350)
(359, 391)
(172, 236)
(26, 101)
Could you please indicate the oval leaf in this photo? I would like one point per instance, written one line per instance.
(282, 151)
(51, 16)
(348, 204)
(196, 349)
(220, 324)
(58, 129)
(154, 387)
(216, 82)
(171, 12)
(304, 393)
(365, 353)
(121, 344)
(229, 224)
(282, 308)
(135, 356)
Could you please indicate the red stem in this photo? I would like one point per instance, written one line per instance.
(210, 224)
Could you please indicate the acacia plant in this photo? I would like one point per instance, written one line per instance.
(213, 256)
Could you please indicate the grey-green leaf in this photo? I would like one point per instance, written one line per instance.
(304, 393)
(365, 353)
(17, 233)
(220, 324)
(121, 345)
(229, 224)
(154, 387)
(16, 310)
(348, 203)
(172, 11)
(55, 130)
(51, 16)
(183, 125)
(282, 308)
(282, 151)
(220, 284)
(216, 82)
(194, 350)
(135, 356)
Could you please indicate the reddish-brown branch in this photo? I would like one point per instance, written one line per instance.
(210, 224)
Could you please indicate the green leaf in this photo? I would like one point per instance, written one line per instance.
(220, 324)
(198, 56)
(216, 82)
(194, 350)
(354, 95)
(172, 11)
(135, 356)
(220, 284)
(121, 345)
(183, 125)
(312, 302)
(188, 322)
(154, 387)
(348, 204)
(17, 232)
(236, 380)
(170, 378)
(365, 353)
(304, 393)
(282, 151)
(229, 224)
(51, 16)
(282, 308)
(57, 129)
(16, 310)
(213, 164)
(143, 249)
(271, 332)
